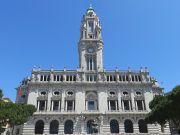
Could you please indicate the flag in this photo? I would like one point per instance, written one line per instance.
(20, 91)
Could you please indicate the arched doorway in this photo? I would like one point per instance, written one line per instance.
(114, 126)
(54, 127)
(68, 127)
(142, 126)
(128, 125)
(39, 127)
(92, 127)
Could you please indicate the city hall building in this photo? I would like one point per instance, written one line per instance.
(90, 99)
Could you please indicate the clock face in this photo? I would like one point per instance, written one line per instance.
(90, 50)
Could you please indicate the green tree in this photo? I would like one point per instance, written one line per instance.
(165, 108)
(14, 114)
(1, 94)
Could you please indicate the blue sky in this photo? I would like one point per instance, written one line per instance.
(136, 33)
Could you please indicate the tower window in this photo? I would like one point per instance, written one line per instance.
(91, 26)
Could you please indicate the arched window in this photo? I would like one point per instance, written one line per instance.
(142, 126)
(68, 127)
(128, 125)
(54, 127)
(39, 127)
(91, 101)
(92, 127)
(114, 126)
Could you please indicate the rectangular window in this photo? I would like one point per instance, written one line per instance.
(124, 78)
(48, 78)
(55, 77)
(126, 105)
(41, 78)
(67, 78)
(120, 78)
(132, 78)
(69, 105)
(113, 105)
(42, 105)
(45, 78)
(61, 78)
(55, 105)
(74, 78)
(139, 105)
(58, 78)
(91, 105)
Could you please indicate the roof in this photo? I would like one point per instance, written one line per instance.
(90, 11)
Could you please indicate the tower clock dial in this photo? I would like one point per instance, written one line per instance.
(90, 50)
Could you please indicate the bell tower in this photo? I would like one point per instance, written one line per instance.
(90, 45)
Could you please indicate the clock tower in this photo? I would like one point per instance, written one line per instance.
(90, 45)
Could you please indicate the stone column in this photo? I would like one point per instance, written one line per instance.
(143, 105)
(73, 105)
(38, 106)
(119, 101)
(86, 105)
(52, 104)
(136, 107)
(116, 105)
(63, 101)
(59, 107)
(45, 105)
(130, 105)
(96, 105)
(51, 77)
(122, 105)
(48, 102)
(65, 109)
(117, 77)
(132, 99)
(109, 105)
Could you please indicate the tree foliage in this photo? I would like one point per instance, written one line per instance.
(1, 94)
(14, 114)
(165, 108)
